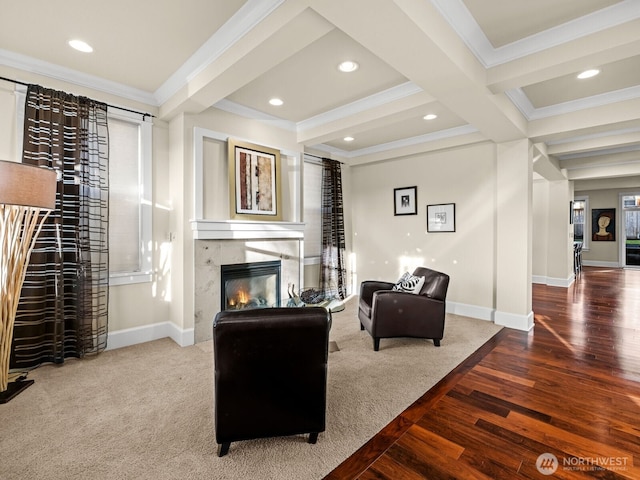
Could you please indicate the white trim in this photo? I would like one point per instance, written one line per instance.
(245, 230)
(116, 279)
(398, 144)
(553, 282)
(597, 263)
(148, 333)
(473, 311)
(242, 22)
(515, 321)
(377, 99)
(74, 77)
(466, 27)
(247, 112)
(522, 102)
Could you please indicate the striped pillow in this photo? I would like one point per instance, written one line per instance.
(409, 283)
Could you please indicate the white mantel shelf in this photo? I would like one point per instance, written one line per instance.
(245, 230)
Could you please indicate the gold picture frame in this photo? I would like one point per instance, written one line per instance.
(255, 191)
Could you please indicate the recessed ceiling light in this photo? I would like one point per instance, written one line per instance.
(276, 102)
(589, 73)
(430, 116)
(348, 66)
(348, 139)
(81, 46)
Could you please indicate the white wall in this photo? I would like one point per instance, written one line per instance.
(386, 245)
(540, 230)
(8, 125)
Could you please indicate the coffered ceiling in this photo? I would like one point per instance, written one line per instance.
(489, 69)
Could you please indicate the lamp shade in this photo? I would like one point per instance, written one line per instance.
(27, 185)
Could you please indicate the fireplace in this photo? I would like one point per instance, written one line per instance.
(250, 285)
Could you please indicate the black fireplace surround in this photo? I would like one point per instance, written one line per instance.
(250, 285)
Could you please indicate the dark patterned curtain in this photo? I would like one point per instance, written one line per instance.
(63, 306)
(333, 268)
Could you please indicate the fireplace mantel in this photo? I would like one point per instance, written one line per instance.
(245, 230)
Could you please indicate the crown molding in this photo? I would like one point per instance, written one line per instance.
(245, 19)
(242, 22)
(600, 153)
(521, 101)
(579, 138)
(74, 77)
(246, 112)
(398, 144)
(376, 100)
(461, 20)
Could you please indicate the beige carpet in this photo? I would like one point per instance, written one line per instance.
(145, 412)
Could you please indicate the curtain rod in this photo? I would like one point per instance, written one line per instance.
(144, 115)
(323, 158)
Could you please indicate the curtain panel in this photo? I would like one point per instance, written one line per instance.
(63, 306)
(333, 268)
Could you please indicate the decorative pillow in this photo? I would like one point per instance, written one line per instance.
(409, 283)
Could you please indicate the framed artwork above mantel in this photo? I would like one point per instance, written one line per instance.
(255, 190)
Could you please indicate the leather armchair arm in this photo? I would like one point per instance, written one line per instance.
(369, 287)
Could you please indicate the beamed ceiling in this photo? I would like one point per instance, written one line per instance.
(490, 69)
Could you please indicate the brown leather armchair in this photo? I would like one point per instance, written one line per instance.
(386, 313)
(270, 367)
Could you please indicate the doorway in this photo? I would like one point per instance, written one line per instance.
(631, 230)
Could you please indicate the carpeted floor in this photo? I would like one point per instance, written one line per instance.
(145, 412)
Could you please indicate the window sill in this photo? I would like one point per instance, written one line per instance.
(116, 279)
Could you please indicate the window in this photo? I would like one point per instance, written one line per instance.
(630, 249)
(581, 221)
(130, 255)
(312, 182)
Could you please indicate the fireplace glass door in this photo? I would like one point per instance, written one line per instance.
(250, 285)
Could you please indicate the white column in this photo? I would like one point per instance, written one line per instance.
(514, 220)
(560, 235)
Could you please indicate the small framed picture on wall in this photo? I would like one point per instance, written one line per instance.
(441, 218)
(405, 201)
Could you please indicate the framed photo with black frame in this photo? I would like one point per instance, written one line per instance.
(441, 217)
(405, 201)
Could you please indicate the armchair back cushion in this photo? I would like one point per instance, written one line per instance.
(270, 368)
(435, 285)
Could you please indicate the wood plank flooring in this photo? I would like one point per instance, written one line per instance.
(569, 388)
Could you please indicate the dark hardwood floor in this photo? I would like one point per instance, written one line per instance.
(569, 388)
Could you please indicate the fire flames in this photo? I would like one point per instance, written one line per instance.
(240, 300)
(243, 297)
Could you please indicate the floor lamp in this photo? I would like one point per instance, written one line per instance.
(27, 195)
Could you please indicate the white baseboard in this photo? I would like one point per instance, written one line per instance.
(595, 263)
(511, 320)
(473, 311)
(553, 282)
(148, 333)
